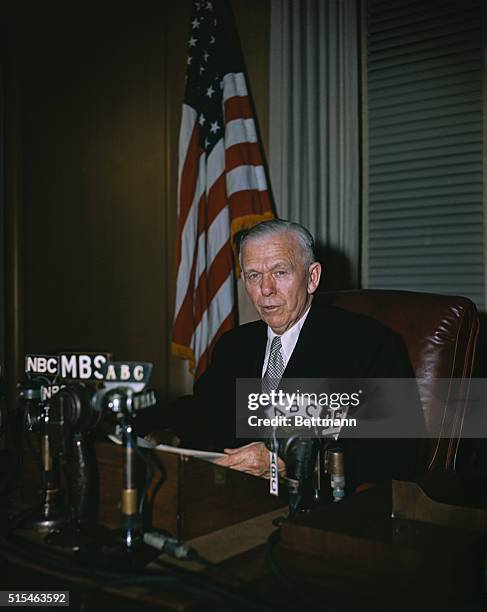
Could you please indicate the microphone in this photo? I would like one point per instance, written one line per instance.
(335, 466)
(299, 455)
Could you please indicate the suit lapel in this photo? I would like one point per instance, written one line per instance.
(257, 351)
(310, 357)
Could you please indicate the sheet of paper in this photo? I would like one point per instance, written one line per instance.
(188, 452)
(199, 454)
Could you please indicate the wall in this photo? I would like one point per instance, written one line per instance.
(96, 99)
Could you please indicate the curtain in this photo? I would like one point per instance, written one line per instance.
(425, 120)
(314, 127)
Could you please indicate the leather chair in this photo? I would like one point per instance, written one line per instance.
(440, 333)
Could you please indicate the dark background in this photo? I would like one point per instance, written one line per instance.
(92, 100)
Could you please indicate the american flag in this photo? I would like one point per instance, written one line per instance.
(222, 186)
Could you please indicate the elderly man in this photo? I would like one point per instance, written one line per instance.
(313, 340)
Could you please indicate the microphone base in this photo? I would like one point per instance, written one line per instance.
(52, 515)
(116, 556)
(72, 537)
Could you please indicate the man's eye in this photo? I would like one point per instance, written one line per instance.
(280, 273)
(253, 276)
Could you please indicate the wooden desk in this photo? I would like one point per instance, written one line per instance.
(188, 497)
(352, 554)
(360, 543)
(230, 545)
(239, 553)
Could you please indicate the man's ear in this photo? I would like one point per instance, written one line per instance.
(314, 275)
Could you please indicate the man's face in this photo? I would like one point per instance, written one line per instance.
(277, 280)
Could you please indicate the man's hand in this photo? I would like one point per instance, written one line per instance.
(252, 459)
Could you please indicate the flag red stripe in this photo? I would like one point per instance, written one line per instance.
(205, 358)
(243, 153)
(211, 281)
(183, 327)
(187, 186)
(249, 202)
(182, 330)
(237, 107)
(217, 199)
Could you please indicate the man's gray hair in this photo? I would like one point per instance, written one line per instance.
(279, 226)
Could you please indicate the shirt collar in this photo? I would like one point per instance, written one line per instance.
(289, 338)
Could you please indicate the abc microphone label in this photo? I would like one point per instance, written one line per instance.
(274, 474)
(127, 371)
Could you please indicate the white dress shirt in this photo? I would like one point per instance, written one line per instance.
(288, 341)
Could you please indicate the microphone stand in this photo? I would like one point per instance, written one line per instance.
(131, 519)
(127, 549)
(72, 406)
(52, 512)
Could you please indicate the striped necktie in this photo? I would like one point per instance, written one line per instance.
(275, 367)
(270, 382)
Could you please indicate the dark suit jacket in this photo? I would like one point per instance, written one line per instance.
(333, 343)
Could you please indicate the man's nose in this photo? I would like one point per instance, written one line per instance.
(267, 285)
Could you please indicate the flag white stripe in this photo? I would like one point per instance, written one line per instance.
(189, 237)
(240, 130)
(234, 85)
(188, 121)
(237, 131)
(245, 177)
(215, 164)
(200, 258)
(218, 310)
(218, 235)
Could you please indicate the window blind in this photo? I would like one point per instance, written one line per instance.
(424, 216)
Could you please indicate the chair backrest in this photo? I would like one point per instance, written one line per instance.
(440, 333)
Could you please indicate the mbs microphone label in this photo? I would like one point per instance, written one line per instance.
(67, 366)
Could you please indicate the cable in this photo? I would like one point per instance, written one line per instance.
(161, 478)
(202, 560)
(149, 470)
(168, 545)
(272, 541)
(178, 550)
(19, 520)
(285, 581)
(31, 550)
(174, 548)
(181, 551)
(221, 588)
(185, 579)
(169, 583)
